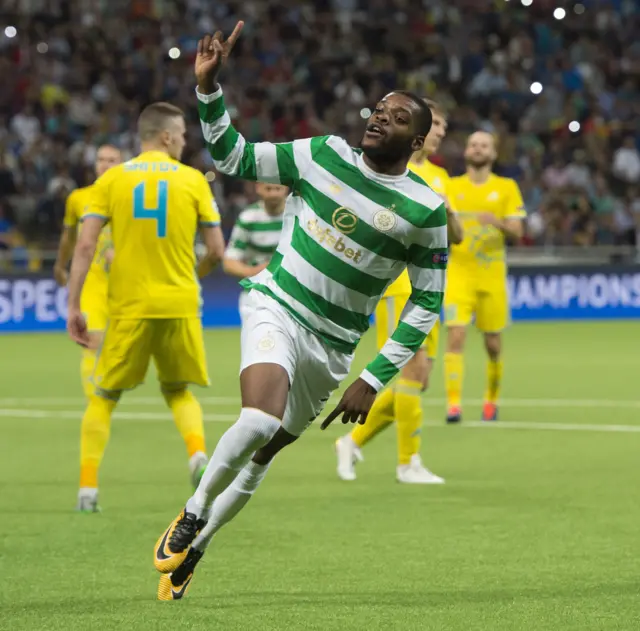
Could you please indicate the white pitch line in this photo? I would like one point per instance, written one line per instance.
(427, 400)
(52, 415)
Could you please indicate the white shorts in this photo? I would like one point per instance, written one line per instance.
(244, 306)
(271, 335)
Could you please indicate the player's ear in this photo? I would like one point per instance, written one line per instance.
(165, 137)
(417, 144)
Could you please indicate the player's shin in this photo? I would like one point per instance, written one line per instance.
(187, 415)
(231, 501)
(94, 435)
(408, 412)
(87, 364)
(453, 375)
(494, 380)
(252, 430)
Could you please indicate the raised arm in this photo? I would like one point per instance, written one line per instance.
(278, 163)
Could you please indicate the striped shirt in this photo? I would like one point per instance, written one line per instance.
(348, 233)
(255, 235)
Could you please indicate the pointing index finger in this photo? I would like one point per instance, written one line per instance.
(332, 416)
(236, 33)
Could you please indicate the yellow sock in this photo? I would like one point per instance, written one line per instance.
(494, 380)
(380, 416)
(408, 414)
(87, 364)
(453, 374)
(187, 415)
(94, 435)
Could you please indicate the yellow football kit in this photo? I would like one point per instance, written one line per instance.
(477, 271)
(390, 308)
(154, 206)
(93, 300)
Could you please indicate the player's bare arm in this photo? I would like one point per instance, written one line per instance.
(65, 251)
(214, 245)
(82, 257)
(455, 231)
(512, 227)
(236, 268)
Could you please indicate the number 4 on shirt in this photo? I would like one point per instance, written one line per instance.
(159, 213)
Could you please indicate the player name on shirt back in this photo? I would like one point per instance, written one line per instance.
(163, 167)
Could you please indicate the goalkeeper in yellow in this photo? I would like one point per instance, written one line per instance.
(491, 211)
(154, 206)
(402, 402)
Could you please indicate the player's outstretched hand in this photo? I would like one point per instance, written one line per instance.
(212, 54)
(77, 329)
(354, 405)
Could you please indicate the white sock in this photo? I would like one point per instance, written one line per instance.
(253, 430)
(231, 501)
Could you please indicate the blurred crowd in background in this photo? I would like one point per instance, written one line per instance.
(558, 82)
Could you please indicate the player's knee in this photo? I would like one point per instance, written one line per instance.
(258, 427)
(455, 339)
(109, 395)
(171, 392)
(416, 368)
(278, 442)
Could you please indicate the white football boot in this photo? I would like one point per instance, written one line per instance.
(88, 500)
(416, 473)
(348, 454)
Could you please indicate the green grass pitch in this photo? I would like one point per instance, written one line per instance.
(536, 529)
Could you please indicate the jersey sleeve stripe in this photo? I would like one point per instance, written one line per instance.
(382, 370)
(427, 279)
(428, 258)
(287, 163)
(266, 162)
(211, 106)
(428, 300)
(223, 144)
(97, 215)
(408, 336)
(209, 223)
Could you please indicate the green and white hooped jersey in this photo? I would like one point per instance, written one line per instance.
(255, 235)
(348, 234)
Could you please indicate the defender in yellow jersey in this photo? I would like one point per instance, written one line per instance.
(491, 211)
(402, 402)
(154, 206)
(94, 294)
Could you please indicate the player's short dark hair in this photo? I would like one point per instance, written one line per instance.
(154, 119)
(425, 118)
